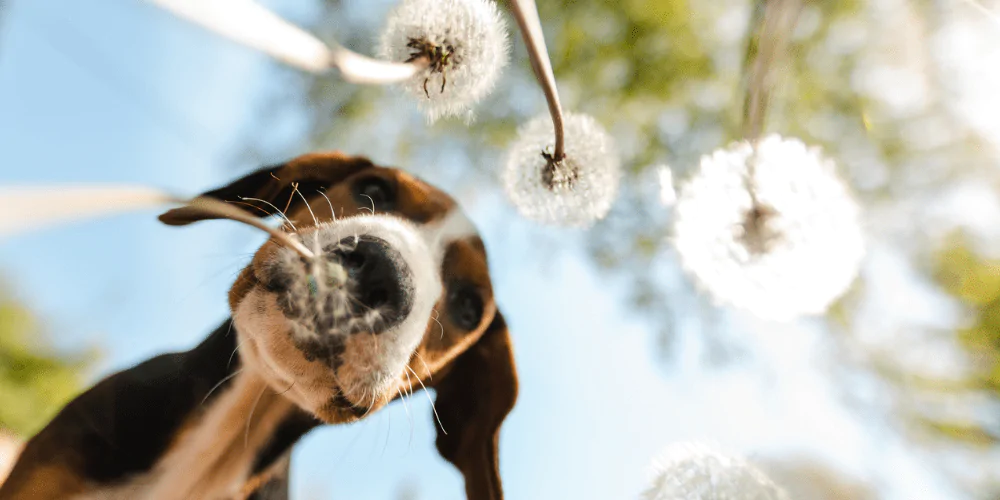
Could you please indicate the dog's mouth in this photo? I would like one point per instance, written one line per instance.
(340, 402)
(355, 313)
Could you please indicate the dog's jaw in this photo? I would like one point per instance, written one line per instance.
(338, 369)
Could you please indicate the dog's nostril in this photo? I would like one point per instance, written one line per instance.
(377, 297)
(379, 278)
(354, 261)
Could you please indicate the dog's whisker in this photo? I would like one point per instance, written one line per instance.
(388, 433)
(440, 326)
(408, 381)
(295, 187)
(229, 211)
(409, 417)
(233, 355)
(276, 209)
(347, 393)
(402, 398)
(372, 200)
(251, 205)
(219, 384)
(335, 465)
(295, 190)
(437, 417)
(282, 393)
(430, 375)
(333, 213)
(246, 433)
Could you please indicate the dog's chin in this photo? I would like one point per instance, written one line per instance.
(362, 381)
(340, 388)
(338, 362)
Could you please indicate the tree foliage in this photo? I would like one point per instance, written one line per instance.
(975, 281)
(871, 86)
(35, 380)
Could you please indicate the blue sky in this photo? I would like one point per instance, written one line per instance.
(117, 91)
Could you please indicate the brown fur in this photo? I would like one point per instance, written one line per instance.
(57, 480)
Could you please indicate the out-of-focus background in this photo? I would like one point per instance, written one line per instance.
(894, 394)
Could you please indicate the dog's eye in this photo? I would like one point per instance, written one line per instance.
(465, 307)
(375, 191)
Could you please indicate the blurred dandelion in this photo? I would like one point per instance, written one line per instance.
(575, 191)
(769, 227)
(693, 471)
(668, 195)
(465, 43)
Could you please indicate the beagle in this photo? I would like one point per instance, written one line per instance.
(399, 296)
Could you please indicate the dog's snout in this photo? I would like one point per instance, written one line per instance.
(381, 280)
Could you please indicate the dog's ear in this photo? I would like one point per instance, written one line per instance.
(276, 184)
(473, 398)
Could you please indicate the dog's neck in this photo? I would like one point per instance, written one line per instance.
(229, 442)
(215, 455)
(194, 424)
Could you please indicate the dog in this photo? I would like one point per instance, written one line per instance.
(398, 296)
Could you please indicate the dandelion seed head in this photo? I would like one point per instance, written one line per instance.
(466, 41)
(693, 471)
(668, 195)
(573, 192)
(769, 228)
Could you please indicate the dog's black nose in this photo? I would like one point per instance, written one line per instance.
(379, 278)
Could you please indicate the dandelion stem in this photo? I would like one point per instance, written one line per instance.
(526, 14)
(32, 207)
(231, 212)
(250, 24)
(771, 27)
(356, 68)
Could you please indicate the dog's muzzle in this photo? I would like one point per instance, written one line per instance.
(358, 284)
(355, 313)
(373, 275)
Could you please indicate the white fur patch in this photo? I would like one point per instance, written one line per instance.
(439, 234)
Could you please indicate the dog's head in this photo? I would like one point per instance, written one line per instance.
(398, 296)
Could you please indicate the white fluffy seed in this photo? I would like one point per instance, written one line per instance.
(582, 188)
(693, 471)
(783, 243)
(668, 195)
(473, 44)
